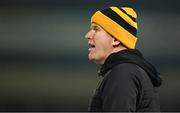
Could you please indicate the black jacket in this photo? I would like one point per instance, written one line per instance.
(128, 84)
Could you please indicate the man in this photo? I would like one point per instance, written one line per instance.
(129, 83)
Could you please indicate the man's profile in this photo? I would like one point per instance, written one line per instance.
(129, 82)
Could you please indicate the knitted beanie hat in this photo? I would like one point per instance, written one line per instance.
(120, 22)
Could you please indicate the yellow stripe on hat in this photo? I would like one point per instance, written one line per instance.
(125, 16)
(130, 11)
(114, 29)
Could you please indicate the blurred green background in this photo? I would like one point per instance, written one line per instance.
(43, 52)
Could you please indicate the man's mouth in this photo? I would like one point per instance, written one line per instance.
(91, 45)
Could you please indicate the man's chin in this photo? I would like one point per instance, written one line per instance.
(94, 60)
(90, 58)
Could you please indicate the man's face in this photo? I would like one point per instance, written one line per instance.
(100, 43)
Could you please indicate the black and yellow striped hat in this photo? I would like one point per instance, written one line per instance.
(120, 22)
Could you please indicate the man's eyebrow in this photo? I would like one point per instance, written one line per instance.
(94, 26)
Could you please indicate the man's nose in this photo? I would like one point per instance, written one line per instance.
(88, 35)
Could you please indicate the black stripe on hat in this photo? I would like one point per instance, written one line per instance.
(134, 19)
(116, 18)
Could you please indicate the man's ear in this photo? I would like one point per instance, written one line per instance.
(115, 42)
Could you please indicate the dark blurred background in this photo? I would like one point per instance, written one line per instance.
(43, 52)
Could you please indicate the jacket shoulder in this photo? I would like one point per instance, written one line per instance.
(128, 73)
(127, 70)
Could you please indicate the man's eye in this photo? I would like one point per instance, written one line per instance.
(96, 29)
